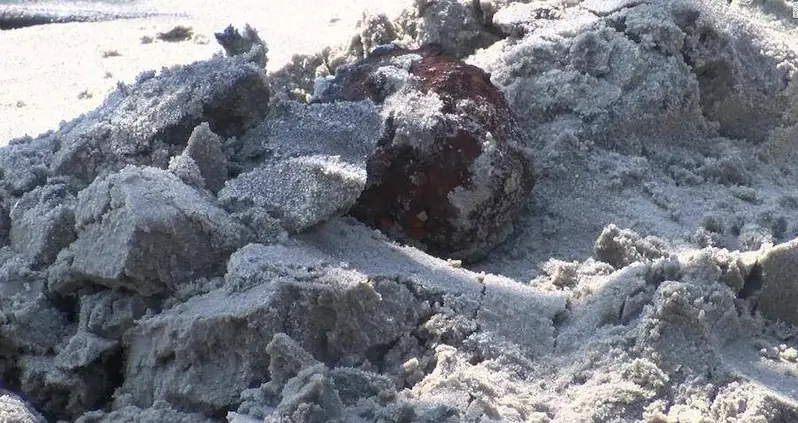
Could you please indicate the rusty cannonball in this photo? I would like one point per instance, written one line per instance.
(449, 174)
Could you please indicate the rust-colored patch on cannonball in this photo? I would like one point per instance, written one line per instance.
(455, 189)
(455, 80)
(407, 190)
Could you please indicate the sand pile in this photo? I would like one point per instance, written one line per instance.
(184, 253)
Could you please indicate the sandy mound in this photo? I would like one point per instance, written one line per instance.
(184, 253)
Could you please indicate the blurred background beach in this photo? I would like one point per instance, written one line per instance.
(52, 73)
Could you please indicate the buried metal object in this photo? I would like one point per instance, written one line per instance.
(449, 174)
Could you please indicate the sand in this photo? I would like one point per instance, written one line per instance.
(53, 73)
(650, 276)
